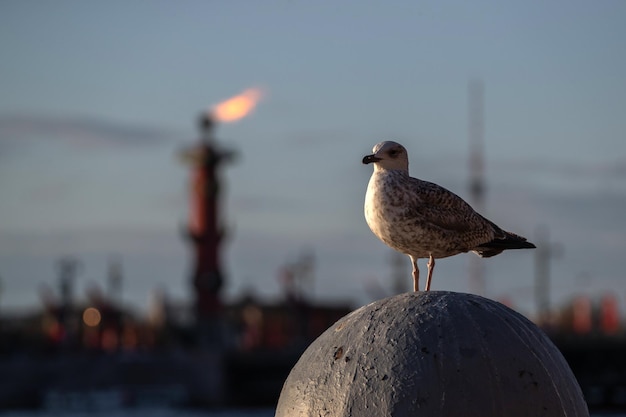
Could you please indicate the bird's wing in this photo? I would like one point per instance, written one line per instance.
(441, 207)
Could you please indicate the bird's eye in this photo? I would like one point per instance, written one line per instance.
(393, 153)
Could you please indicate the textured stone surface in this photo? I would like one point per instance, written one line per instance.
(432, 354)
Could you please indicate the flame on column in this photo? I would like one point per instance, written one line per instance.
(238, 106)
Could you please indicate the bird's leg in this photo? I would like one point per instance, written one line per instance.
(416, 274)
(431, 267)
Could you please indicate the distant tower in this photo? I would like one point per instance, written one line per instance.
(205, 231)
(546, 251)
(297, 278)
(476, 133)
(68, 268)
(114, 281)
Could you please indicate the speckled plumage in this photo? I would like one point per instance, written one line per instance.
(422, 219)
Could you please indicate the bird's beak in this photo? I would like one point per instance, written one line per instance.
(368, 159)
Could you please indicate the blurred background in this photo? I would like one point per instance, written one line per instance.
(148, 235)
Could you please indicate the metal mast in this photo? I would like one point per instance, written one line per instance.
(546, 251)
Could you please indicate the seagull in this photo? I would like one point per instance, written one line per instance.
(424, 220)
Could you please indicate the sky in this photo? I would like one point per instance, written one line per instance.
(98, 98)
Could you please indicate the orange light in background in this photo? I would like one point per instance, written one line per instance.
(237, 107)
(582, 320)
(130, 338)
(110, 340)
(91, 317)
(52, 328)
(609, 315)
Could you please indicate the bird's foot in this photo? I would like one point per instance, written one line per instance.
(431, 267)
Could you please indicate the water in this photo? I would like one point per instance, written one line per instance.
(144, 412)
(167, 412)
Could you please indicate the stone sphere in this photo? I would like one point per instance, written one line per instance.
(432, 354)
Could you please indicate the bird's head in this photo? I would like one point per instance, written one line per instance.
(388, 155)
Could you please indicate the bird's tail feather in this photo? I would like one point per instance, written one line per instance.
(496, 246)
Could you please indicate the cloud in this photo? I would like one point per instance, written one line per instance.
(320, 137)
(163, 242)
(77, 131)
(615, 168)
